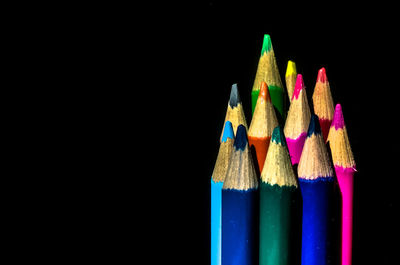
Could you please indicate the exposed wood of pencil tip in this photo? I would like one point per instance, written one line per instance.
(298, 116)
(264, 118)
(314, 161)
(267, 71)
(278, 167)
(241, 174)
(342, 154)
(322, 100)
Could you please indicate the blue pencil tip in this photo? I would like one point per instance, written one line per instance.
(234, 98)
(241, 138)
(314, 127)
(228, 132)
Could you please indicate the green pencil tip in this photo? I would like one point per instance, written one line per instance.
(278, 136)
(267, 44)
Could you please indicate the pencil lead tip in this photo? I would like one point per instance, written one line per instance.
(314, 127)
(241, 138)
(278, 136)
(298, 87)
(264, 93)
(228, 131)
(267, 44)
(291, 68)
(322, 75)
(338, 120)
(234, 97)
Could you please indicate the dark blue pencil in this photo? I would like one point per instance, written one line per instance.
(316, 184)
(240, 206)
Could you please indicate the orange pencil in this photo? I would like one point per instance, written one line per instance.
(262, 125)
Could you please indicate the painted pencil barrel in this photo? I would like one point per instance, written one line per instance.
(278, 101)
(317, 203)
(216, 213)
(346, 181)
(295, 147)
(239, 227)
(275, 224)
(325, 126)
(254, 97)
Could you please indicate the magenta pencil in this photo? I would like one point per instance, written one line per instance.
(297, 121)
(345, 167)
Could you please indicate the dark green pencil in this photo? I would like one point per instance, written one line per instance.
(277, 190)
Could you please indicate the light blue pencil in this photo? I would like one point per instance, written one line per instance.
(217, 181)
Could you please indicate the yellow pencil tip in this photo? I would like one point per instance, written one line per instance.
(291, 68)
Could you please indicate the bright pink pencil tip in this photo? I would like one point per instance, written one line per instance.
(338, 120)
(298, 87)
(322, 75)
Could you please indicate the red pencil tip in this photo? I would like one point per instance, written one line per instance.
(298, 87)
(338, 120)
(264, 93)
(322, 75)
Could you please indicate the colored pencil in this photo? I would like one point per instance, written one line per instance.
(239, 206)
(277, 187)
(268, 72)
(262, 124)
(297, 121)
(323, 102)
(234, 112)
(217, 180)
(345, 168)
(316, 182)
(290, 78)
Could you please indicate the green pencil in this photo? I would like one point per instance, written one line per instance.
(277, 190)
(268, 72)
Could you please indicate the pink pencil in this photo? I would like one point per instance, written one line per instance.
(297, 121)
(345, 167)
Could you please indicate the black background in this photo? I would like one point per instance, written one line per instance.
(189, 56)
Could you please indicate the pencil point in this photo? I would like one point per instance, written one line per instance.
(241, 138)
(314, 127)
(266, 44)
(291, 68)
(338, 120)
(264, 93)
(322, 75)
(228, 131)
(278, 137)
(299, 86)
(234, 98)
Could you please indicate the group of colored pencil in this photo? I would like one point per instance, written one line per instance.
(260, 168)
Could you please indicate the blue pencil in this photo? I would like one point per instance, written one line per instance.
(217, 180)
(240, 206)
(317, 185)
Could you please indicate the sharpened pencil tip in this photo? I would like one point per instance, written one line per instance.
(234, 98)
(278, 136)
(322, 75)
(338, 120)
(228, 131)
(267, 44)
(314, 127)
(241, 138)
(298, 87)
